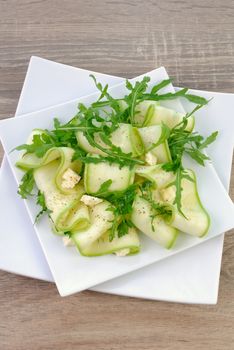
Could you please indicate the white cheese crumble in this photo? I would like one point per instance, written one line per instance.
(122, 252)
(150, 158)
(168, 194)
(67, 241)
(70, 179)
(90, 201)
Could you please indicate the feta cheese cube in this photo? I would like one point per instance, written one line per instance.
(168, 194)
(150, 158)
(90, 201)
(70, 179)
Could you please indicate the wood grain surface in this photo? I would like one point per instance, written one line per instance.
(194, 40)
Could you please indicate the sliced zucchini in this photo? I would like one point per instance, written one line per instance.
(169, 117)
(96, 174)
(156, 174)
(128, 244)
(128, 139)
(153, 114)
(64, 154)
(197, 220)
(101, 221)
(66, 211)
(157, 229)
(151, 136)
(144, 111)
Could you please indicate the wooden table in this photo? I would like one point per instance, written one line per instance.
(194, 40)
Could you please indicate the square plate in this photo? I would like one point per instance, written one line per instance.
(74, 282)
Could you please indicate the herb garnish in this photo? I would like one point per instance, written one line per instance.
(27, 184)
(173, 95)
(40, 144)
(42, 203)
(122, 208)
(133, 98)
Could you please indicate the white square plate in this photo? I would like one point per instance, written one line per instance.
(68, 277)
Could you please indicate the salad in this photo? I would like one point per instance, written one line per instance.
(115, 172)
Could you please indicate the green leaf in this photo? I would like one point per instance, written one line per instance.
(161, 85)
(104, 93)
(129, 85)
(167, 96)
(196, 99)
(136, 94)
(121, 206)
(41, 202)
(78, 154)
(180, 174)
(103, 190)
(27, 184)
(40, 145)
(197, 155)
(173, 95)
(123, 227)
(210, 139)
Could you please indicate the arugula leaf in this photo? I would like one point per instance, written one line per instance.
(197, 155)
(210, 139)
(112, 159)
(122, 208)
(177, 183)
(27, 184)
(161, 85)
(42, 203)
(136, 93)
(196, 99)
(195, 151)
(173, 95)
(124, 226)
(121, 158)
(64, 135)
(112, 102)
(99, 87)
(41, 143)
(103, 190)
